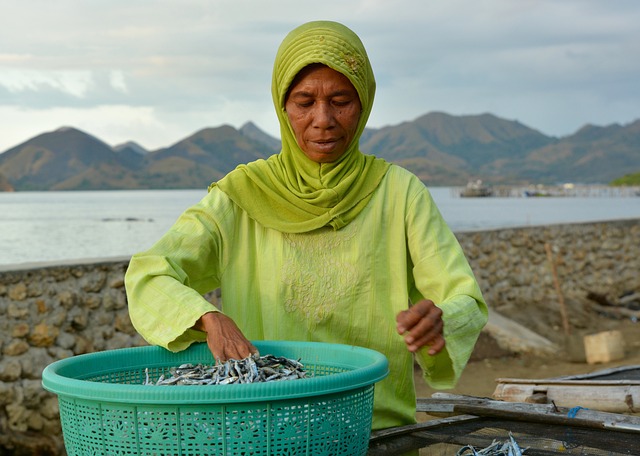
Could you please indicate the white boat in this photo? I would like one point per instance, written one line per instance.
(476, 189)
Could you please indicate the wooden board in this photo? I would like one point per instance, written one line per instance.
(606, 390)
(541, 413)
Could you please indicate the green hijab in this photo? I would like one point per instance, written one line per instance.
(288, 191)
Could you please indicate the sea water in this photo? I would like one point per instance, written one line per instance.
(61, 226)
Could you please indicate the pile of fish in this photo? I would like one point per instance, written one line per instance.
(508, 448)
(252, 369)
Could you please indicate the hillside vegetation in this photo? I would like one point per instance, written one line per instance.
(439, 148)
(629, 179)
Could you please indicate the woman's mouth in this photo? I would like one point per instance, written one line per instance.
(326, 145)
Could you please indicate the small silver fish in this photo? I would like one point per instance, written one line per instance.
(508, 448)
(248, 370)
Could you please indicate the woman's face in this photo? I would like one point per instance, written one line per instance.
(323, 108)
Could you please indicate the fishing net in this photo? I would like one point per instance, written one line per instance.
(535, 439)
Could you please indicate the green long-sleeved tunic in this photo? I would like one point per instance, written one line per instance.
(344, 286)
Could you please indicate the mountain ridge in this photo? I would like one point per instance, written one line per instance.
(440, 148)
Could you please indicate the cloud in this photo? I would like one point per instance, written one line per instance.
(120, 123)
(173, 67)
(118, 81)
(74, 83)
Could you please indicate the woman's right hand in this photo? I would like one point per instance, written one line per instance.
(422, 325)
(224, 338)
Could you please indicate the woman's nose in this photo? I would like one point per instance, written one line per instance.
(323, 116)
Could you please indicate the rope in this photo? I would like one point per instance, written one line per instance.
(574, 411)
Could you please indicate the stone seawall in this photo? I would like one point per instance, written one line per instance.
(49, 312)
(515, 269)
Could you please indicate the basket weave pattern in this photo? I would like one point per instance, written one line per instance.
(294, 421)
(337, 425)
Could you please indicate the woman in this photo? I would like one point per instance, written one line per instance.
(319, 242)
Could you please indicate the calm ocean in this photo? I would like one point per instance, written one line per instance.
(54, 226)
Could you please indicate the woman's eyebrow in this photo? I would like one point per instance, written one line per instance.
(300, 93)
(337, 93)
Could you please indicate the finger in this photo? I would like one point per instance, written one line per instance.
(217, 352)
(432, 337)
(407, 319)
(435, 345)
(225, 339)
(236, 347)
(429, 324)
(426, 329)
(226, 352)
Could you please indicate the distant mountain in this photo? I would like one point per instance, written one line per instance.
(69, 159)
(250, 130)
(445, 149)
(450, 150)
(63, 159)
(130, 147)
(440, 148)
(592, 154)
(202, 158)
(131, 154)
(5, 185)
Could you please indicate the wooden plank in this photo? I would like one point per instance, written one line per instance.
(401, 445)
(605, 398)
(442, 434)
(586, 382)
(600, 373)
(613, 424)
(540, 413)
(615, 396)
(425, 425)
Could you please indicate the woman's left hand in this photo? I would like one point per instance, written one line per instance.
(421, 326)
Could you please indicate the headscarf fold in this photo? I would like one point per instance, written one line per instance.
(288, 191)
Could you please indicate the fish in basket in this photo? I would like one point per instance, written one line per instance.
(110, 403)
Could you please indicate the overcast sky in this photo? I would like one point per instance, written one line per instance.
(156, 71)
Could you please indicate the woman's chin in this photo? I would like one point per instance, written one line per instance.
(324, 152)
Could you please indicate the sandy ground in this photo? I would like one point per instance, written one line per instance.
(479, 378)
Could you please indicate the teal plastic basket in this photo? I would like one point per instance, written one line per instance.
(105, 408)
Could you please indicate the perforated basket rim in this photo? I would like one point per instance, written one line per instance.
(66, 377)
